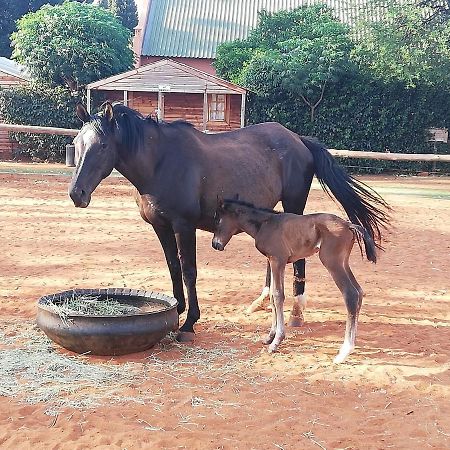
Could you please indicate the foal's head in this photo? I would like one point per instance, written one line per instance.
(234, 216)
(226, 224)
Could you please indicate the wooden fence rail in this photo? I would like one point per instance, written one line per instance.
(38, 130)
(387, 156)
(357, 154)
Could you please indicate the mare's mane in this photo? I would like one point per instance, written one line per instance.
(130, 125)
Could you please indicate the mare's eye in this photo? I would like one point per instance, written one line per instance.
(103, 145)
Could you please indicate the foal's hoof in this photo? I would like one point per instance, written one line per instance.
(255, 306)
(296, 321)
(272, 348)
(268, 340)
(185, 336)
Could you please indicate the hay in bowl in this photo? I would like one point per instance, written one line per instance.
(107, 321)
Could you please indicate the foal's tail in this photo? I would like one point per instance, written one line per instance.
(363, 205)
(362, 234)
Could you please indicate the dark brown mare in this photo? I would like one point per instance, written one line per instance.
(179, 172)
(285, 238)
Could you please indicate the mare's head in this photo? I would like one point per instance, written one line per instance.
(226, 223)
(98, 147)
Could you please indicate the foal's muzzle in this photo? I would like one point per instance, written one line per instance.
(217, 245)
(79, 197)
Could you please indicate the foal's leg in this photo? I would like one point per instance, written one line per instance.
(353, 298)
(268, 340)
(186, 243)
(296, 204)
(277, 285)
(262, 301)
(166, 237)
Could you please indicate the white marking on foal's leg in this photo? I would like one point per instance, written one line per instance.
(261, 302)
(296, 318)
(346, 349)
(268, 340)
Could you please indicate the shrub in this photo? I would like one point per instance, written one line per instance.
(36, 104)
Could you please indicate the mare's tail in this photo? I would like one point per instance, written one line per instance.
(369, 244)
(363, 205)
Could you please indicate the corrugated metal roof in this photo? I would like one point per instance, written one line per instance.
(12, 68)
(194, 28)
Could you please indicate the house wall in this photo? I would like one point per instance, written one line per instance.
(187, 107)
(6, 144)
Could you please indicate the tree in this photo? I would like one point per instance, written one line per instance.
(72, 44)
(125, 11)
(10, 11)
(400, 48)
(300, 52)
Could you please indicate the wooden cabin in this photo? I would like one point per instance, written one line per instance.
(11, 74)
(170, 90)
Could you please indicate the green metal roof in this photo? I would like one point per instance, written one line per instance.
(194, 28)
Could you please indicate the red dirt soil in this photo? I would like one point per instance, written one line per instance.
(393, 391)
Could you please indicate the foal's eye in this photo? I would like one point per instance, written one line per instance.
(103, 145)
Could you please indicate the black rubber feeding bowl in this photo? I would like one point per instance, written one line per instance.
(109, 334)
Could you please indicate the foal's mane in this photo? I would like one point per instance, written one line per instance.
(227, 202)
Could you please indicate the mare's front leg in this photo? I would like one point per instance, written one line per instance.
(277, 291)
(186, 242)
(166, 237)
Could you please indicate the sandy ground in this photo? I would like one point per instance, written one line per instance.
(225, 391)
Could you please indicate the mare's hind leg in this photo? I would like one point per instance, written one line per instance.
(296, 318)
(352, 295)
(262, 302)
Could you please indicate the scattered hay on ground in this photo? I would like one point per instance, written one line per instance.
(33, 371)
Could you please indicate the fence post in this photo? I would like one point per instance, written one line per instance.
(70, 155)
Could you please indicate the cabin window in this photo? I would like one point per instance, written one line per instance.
(217, 107)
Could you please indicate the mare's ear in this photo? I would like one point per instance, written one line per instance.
(220, 202)
(108, 111)
(82, 113)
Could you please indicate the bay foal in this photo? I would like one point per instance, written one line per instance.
(284, 238)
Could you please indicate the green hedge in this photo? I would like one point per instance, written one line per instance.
(34, 104)
(364, 114)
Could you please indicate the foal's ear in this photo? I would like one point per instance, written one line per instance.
(82, 113)
(220, 202)
(108, 111)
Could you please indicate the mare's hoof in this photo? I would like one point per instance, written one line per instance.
(296, 321)
(185, 336)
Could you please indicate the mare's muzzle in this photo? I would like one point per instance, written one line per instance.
(79, 197)
(217, 245)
